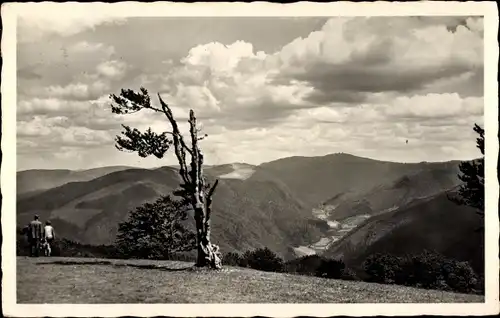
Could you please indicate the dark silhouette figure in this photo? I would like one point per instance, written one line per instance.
(406, 141)
(35, 236)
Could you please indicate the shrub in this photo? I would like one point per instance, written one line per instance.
(316, 265)
(231, 259)
(480, 285)
(243, 262)
(460, 276)
(349, 274)
(331, 268)
(262, 259)
(382, 268)
(428, 270)
(305, 265)
(155, 230)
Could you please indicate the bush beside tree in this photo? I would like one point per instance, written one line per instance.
(262, 259)
(232, 259)
(155, 231)
(305, 265)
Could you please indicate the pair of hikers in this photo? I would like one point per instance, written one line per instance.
(40, 237)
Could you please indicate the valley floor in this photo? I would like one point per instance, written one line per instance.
(77, 281)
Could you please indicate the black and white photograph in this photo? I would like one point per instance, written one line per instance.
(250, 154)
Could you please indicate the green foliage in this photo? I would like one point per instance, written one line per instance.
(428, 270)
(262, 259)
(155, 231)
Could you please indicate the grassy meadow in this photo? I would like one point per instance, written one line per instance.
(85, 281)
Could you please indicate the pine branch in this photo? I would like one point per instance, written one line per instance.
(130, 102)
(480, 139)
(145, 144)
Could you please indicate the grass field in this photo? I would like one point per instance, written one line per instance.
(77, 281)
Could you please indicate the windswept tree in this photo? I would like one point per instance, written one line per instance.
(194, 188)
(155, 230)
(471, 192)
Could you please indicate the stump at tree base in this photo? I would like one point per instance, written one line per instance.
(209, 256)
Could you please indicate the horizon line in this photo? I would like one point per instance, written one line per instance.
(254, 165)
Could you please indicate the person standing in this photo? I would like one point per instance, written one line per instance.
(49, 235)
(35, 236)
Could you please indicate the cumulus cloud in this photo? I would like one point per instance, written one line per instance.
(78, 91)
(354, 55)
(56, 138)
(112, 69)
(218, 57)
(227, 80)
(79, 137)
(51, 106)
(435, 106)
(348, 62)
(61, 70)
(357, 85)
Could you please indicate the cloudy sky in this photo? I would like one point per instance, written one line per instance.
(263, 88)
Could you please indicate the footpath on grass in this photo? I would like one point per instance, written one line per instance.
(84, 280)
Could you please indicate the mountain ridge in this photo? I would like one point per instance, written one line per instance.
(256, 165)
(432, 223)
(269, 205)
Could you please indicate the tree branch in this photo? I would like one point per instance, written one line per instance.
(209, 199)
(179, 144)
(130, 102)
(168, 112)
(146, 144)
(212, 189)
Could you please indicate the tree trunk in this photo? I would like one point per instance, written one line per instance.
(195, 188)
(208, 254)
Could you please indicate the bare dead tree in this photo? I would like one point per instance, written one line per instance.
(194, 188)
